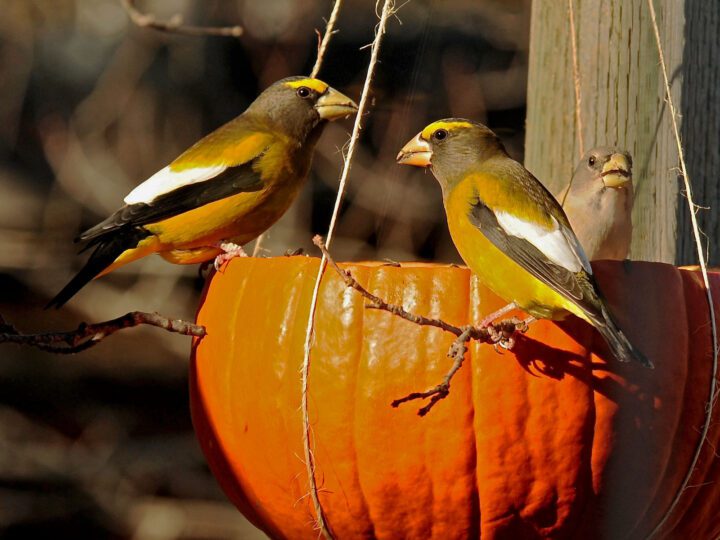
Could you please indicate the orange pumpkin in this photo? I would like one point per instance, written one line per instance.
(553, 439)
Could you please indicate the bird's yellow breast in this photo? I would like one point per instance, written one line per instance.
(497, 271)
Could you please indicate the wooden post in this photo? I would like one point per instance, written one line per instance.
(623, 104)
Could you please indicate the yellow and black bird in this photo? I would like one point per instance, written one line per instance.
(222, 192)
(598, 203)
(510, 230)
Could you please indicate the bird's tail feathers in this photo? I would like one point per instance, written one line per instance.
(620, 345)
(106, 252)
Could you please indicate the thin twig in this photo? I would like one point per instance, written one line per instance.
(703, 268)
(378, 303)
(441, 391)
(388, 9)
(329, 31)
(578, 92)
(89, 335)
(175, 24)
(322, 47)
(499, 333)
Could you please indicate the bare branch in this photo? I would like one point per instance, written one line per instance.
(457, 353)
(324, 40)
(378, 303)
(89, 335)
(501, 333)
(175, 24)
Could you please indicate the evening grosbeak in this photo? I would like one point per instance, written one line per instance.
(599, 203)
(222, 192)
(510, 230)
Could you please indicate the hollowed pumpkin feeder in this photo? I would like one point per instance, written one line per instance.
(552, 439)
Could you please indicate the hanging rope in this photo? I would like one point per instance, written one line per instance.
(703, 268)
(329, 32)
(387, 11)
(578, 94)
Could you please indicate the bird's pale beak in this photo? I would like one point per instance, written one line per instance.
(416, 152)
(616, 172)
(333, 105)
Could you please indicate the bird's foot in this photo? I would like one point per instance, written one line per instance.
(489, 319)
(230, 251)
(503, 334)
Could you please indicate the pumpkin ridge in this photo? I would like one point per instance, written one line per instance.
(386, 503)
(586, 517)
(358, 275)
(223, 469)
(308, 276)
(273, 524)
(423, 306)
(643, 526)
(229, 378)
(432, 287)
(674, 282)
(305, 276)
(472, 361)
(524, 416)
(684, 509)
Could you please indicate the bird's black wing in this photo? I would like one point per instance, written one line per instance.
(577, 287)
(231, 181)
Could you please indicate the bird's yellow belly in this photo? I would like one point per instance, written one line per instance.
(504, 276)
(239, 218)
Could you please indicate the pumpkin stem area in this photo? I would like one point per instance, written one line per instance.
(499, 334)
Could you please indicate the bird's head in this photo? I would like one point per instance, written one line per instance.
(451, 148)
(605, 167)
(296, 105)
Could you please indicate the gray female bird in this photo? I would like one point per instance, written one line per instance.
(599, 203)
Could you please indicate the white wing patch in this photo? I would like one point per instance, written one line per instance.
(577, 248)
(166, 180)
(560, 247)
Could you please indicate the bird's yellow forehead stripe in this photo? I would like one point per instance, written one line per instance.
(443, 124)
(314, 84)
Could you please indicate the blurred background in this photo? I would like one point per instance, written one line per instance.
(100, 445)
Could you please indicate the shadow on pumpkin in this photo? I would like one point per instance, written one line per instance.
(540, 359)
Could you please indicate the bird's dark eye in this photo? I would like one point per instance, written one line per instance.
(303, 92)
(591, 160)
(440, 134)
